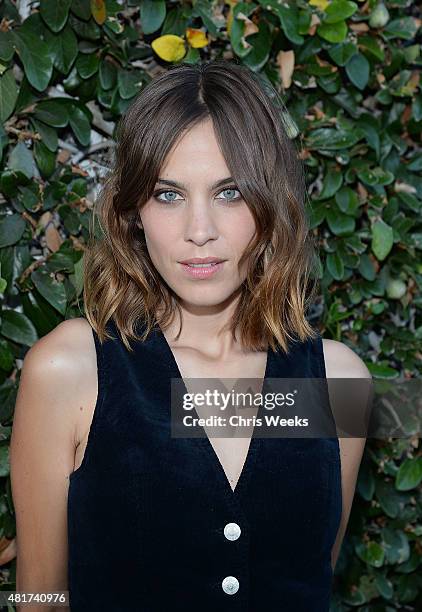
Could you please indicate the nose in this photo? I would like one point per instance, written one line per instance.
(200, 223)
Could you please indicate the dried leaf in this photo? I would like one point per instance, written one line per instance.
(286, 63)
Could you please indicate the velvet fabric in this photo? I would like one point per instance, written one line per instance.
(146, 511)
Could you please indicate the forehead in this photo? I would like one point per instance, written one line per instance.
(196, 155)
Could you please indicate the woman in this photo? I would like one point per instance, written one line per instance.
(108, 503)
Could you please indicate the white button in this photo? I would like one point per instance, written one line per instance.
(230, 585)
(232, 531)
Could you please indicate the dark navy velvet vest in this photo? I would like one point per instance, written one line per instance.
(147, 512)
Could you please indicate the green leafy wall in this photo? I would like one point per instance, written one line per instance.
(349, 73)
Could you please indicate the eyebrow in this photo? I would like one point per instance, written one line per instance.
(223, 181)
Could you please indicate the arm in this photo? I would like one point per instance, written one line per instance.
(42, 453)
(342, 362)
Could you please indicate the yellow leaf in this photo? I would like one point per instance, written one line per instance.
(196, 38)
(229, 21)
(98, 11)
(169, 47)
(321, 4)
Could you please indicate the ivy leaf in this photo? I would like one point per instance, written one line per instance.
(355, 244)
(21, 159)
(366, 482)
(396, 546)
(371, 553)
(152, 14)
(409, 474)
(4, 460)
(381, 370)
(36, 58)
(87, 65)
(8, 95)
(129, 83)
(372, 46)
(261, 47)
(64, 48)
(338, 10)
(371, 128)
(342, 52)
(18, 328)
(405, 27)
(81, 8)
(339, 223)
(55, 13)
(382, 239)
(12, 228)
(317, 214)
(240, 11)
(52, 113)
(331, 139)
(88, 30)
(289, 21)
(347, 200)
(367, 267)
(50, 288)
(6, 46)
(376, 176)
(357, 69)
(6, 355)
(47, 133)
(46, 159)
(107, 74)
(333, 32)
(384, 586)
(80, 125)
(332, 183)
(335, 265)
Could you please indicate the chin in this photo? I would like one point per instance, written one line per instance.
(203, 297)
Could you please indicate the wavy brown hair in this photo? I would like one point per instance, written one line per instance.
(249, 119)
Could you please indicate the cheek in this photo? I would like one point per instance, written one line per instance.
(159, 230)
(240, 231)
(159, 239)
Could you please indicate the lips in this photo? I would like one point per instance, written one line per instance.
(202, 271)
(201, 260)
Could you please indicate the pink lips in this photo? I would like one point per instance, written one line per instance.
(202, 271)
(201, 260)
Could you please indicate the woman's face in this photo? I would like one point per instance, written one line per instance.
(202, 216)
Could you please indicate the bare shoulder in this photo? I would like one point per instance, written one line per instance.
(62, 365)
(56, 384)
(343, 362)
(66, 350)
(72, 335)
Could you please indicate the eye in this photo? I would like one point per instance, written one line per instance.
(228, 190)
(231, 189)
(158, 193)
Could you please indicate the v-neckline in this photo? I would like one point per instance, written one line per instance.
(204, 441)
